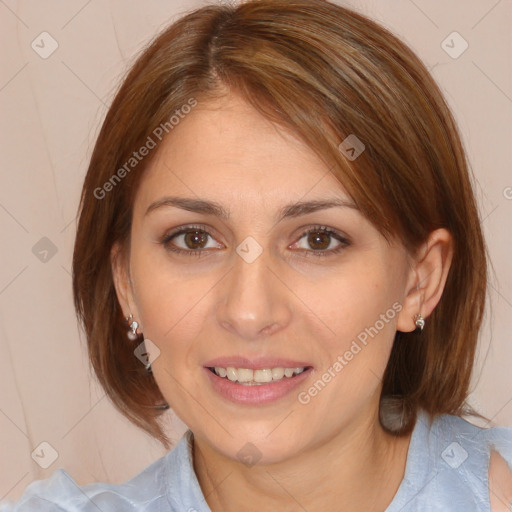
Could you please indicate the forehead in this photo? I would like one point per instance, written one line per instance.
(228, 150)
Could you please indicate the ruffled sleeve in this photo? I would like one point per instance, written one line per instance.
(150, 490)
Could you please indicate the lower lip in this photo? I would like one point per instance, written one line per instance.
(256, 394)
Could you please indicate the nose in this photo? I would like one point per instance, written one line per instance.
(254, 301)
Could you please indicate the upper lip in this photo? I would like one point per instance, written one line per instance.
(255, 363)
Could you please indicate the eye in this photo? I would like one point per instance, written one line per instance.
(320, 239)
(194, 238)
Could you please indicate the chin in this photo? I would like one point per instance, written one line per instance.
(255, 446)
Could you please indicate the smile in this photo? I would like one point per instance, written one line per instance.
(241, 386)
(256, 377)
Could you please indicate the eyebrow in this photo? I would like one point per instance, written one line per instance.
(213, 208)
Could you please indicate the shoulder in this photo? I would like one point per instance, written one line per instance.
(450, 462)
(148, 490)
(490, 467)
(464, 444)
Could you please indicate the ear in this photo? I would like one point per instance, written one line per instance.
(427, 278)
(122, 281)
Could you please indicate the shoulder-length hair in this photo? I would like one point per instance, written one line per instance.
(324, 72)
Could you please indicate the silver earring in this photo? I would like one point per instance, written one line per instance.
(419, 321)
(132, 334)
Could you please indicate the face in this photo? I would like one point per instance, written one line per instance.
(263, 288)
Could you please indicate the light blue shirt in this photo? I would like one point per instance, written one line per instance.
(446, 471)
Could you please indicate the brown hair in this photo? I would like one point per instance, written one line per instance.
(325, 72)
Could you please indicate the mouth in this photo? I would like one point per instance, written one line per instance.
(250, 377)
(256, 386)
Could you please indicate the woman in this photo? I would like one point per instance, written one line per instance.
(278, 221)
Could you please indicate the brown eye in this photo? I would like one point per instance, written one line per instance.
(195, 239)
(319, 240)
(189, 241)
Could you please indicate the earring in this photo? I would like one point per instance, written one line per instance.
(132, 335)
(419, 321)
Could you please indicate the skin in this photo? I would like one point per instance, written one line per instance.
(500, 484)
(287, 303)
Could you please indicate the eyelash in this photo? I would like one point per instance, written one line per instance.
(203, 229)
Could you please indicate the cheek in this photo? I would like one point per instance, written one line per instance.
(358, 309)
(356, 303)
(354, 350)
(171, 305)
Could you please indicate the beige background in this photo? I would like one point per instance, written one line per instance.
(50, 113)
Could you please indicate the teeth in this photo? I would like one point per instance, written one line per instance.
(263, 375)
(288, 372)
(244, 375)
(277, 373)
(232, 374)
(248, 376)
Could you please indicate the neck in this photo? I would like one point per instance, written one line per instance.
(361, 467)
